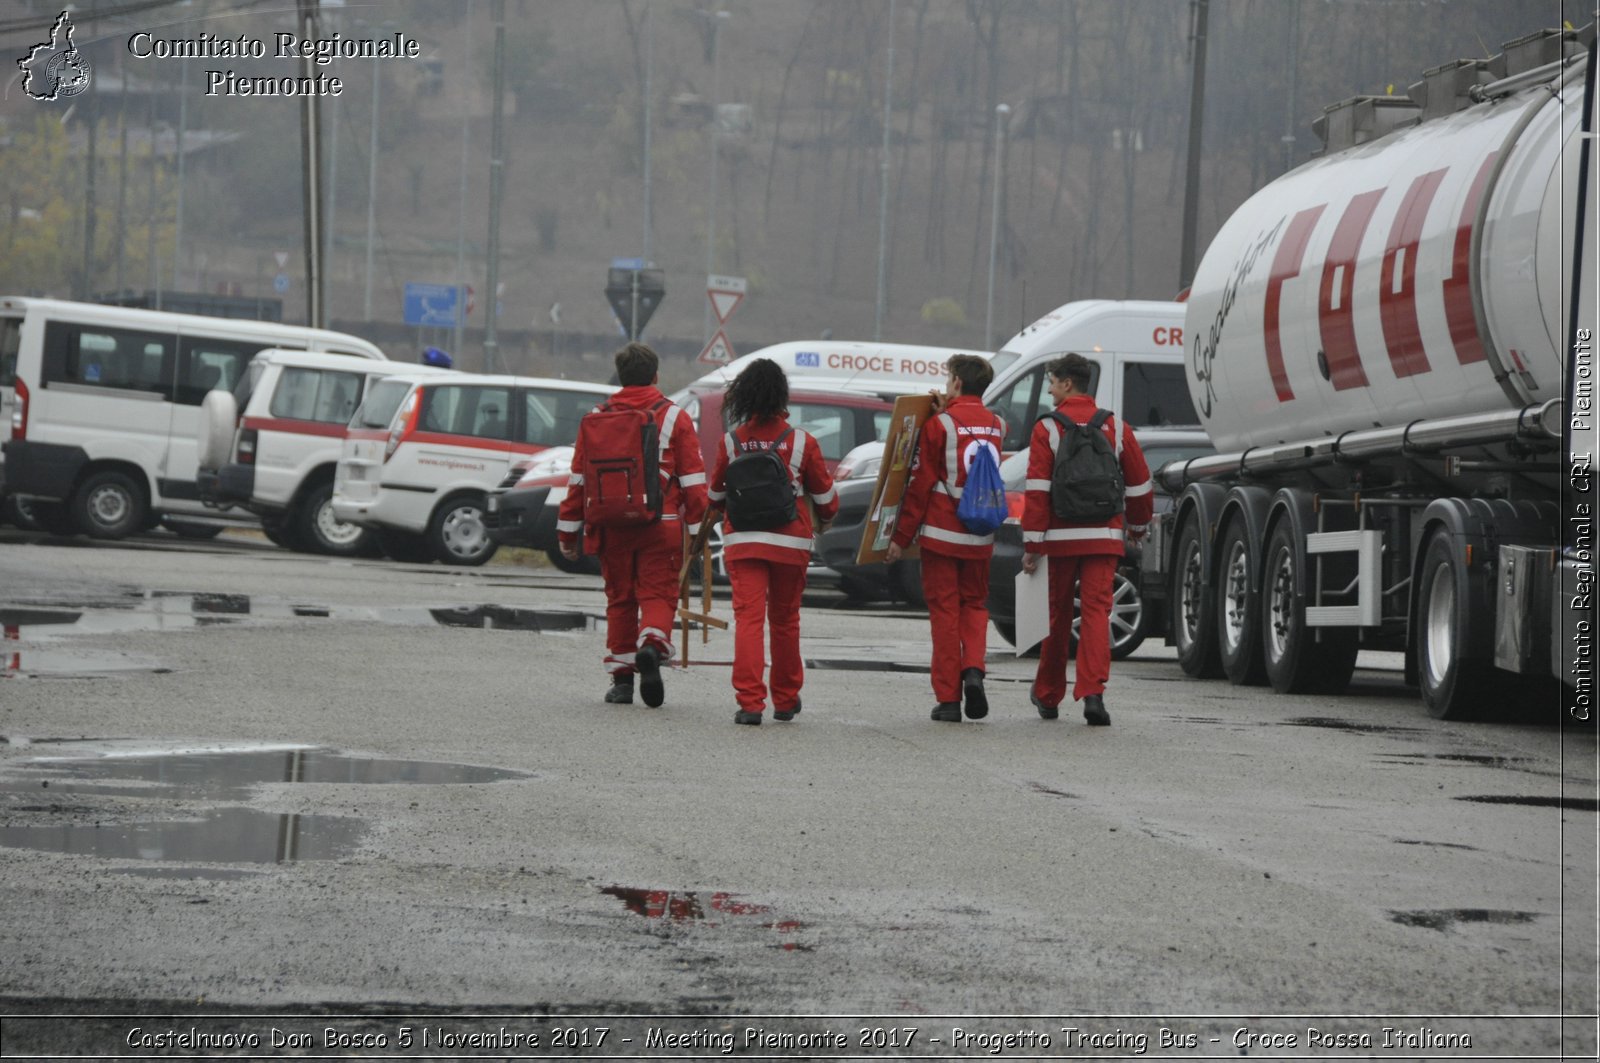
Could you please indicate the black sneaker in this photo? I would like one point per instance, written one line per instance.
(1046, 712)
(751, 718)
(947, 712)
(1094, 710)
(620, 693)
(648, 663)
(785, 715)
(972, 689)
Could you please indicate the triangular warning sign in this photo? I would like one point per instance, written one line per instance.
(723, 304)
(719, 351)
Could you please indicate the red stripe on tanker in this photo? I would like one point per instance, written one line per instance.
(1351, 281)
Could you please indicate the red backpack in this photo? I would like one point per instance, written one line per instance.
(622, 449)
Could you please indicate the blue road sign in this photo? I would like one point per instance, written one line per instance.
(628, 263)
(432, 304)
(280, 283)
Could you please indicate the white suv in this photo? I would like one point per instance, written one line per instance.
(271, 445)
(423, 452)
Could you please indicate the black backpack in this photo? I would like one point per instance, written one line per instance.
(1086, 482)
(760, 490)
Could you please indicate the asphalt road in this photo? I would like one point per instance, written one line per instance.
(1221, 863)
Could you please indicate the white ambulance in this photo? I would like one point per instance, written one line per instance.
(1136, 347)
(423, 452)
(105, 405)
(271, 444)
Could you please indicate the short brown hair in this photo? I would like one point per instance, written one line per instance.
(637, 364)
(974, 373)
(1076, 368)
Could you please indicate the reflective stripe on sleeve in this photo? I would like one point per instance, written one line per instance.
(693, 479)
(569, 525)
(1137, 490)
(827, 496)
(716, 496)
(1037, 485)
(1033, 536)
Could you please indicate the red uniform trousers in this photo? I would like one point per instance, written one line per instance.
(1094, 574)
(640, 570)
(957, 591)
(766, 591)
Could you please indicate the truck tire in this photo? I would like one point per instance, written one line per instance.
(214, 435)
(1454, 680)
(1297, 661)
(277, 532)
(457, 535)
(108, 505)
(14, 509)
(1193, 618)
(1239, 642)
(315, 530)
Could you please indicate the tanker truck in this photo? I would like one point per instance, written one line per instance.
(1391, 348)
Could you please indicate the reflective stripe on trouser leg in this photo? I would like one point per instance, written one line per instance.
(1050, 679)
(1096, 575)
(750, 579)
(785, 585)
(957, 591)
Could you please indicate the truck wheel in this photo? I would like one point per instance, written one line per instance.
(1193, 630)
(313, 525)
(108, 505)
(1239, 625)
(405, 547)
(15, 509)
(1453, 681)
(277, 532)
(1297, 662)
(457, 534)
(52, 518)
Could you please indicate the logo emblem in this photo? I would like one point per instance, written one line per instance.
(807, 360)
(55, 69)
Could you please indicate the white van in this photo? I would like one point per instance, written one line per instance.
(1137, 350)
(423, 452)
(886, 369)
(105, 405)
(272, 444)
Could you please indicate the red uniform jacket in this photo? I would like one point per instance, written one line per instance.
(939, 474)
(683, 476)
(790, 544)
(1045, 533)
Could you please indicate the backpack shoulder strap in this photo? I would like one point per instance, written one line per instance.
(796, 454)
(1098, 422)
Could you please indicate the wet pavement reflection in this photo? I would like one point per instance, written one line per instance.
(224, 835)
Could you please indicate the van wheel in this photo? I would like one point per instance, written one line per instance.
(52, 518)
(457, 533)
(108, 505)
(405, 547)
(14, 509)
(277, 533)
(313, 524)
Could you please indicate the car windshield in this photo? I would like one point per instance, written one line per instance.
(382, 402)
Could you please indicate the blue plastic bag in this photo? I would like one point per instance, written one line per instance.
(982, 508)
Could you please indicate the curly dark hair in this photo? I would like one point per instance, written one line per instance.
(759, 393)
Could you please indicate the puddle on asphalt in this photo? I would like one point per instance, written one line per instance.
(687, 906)
(71, 664)
(231, 773)
(176, 610)
(224, 835)
(1334, 724)
(841, 664)
(1577, 804)
(1443, 919)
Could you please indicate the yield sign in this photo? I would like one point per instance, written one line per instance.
(725, 294)
(719, 351)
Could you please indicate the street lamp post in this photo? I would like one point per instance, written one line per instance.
(883, 187)
(1000, 114)
(716, 98)
(372, 188)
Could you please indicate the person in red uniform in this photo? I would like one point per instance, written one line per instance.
(640, 563)
(1085, 553)
(955, 562)
(768, 568)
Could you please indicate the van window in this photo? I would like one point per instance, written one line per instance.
(205, 363)
(1016, 406)
(108, 357)
(316, 395)
(1156, 396)
(550, 418)
(10, 343)
(382, 402)
(484, 412)
(834, 427)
